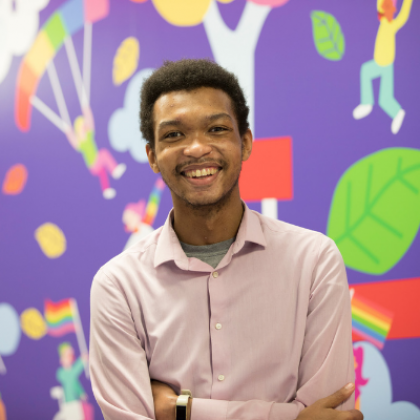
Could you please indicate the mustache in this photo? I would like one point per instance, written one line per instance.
(179, 168)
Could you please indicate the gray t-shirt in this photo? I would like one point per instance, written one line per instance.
(210, 254)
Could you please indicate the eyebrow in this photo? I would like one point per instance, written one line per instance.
(209, 118)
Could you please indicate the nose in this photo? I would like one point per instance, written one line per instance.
(198, 148)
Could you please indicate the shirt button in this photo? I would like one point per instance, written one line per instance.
(215, 274)
(221, 377)
(218, 326)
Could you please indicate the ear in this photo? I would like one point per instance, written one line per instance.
(247, 139)
(152, 159)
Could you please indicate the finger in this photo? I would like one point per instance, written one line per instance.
(338, 397)
(356, 415)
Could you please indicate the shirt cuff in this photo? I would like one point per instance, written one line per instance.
(287, 411)
(207, 409)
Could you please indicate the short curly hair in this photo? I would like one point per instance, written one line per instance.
(189, 74)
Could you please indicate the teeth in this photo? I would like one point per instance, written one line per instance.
(200, 173)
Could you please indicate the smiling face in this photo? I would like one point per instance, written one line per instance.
(198, 147)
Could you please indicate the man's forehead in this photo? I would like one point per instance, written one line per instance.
(184, 100)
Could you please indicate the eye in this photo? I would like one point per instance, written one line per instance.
(218, 128)
(172, 135)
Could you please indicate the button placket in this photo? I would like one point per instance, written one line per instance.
(219, 335)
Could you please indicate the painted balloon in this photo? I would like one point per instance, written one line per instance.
(68, 19)
(51, 240)
(182, 12)
(15, 180)
(125, 60)
(33, 324)
(9, 330)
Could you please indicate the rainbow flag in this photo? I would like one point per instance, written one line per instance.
(153, 203)
(60, 317)
(370, 321)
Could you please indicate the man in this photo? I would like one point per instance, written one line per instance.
(252, 315)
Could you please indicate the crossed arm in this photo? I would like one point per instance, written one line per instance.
(123, 388)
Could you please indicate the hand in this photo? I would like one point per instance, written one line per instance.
(324, 409)
(164, 399)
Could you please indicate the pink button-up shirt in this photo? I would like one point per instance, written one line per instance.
(260, 337)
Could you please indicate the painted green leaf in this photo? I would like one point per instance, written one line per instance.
(328, 37)
(375, 210)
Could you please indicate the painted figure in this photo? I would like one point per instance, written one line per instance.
(138, 218)
(99, 162)
(71, 395)
(382, 65)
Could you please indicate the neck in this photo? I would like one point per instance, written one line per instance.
(205, 225)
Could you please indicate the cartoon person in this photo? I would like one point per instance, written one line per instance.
(133, 215)
(382, 64)
(99, 162)
(68, 376)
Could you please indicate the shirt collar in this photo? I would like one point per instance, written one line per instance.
(169, 249)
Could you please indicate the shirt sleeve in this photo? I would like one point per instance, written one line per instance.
(327, 361)
(118, 364)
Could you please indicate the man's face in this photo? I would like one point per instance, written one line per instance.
(198, 148)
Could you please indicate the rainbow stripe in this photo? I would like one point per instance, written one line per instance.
(59, 317)
(64, 22)
(153, 203)
(370, 322)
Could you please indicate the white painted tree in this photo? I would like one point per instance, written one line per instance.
(232, 49)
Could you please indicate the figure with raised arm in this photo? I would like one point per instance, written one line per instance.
(382, 65)
(100, 162)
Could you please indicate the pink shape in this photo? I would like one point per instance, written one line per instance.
(96, 10)
(272, 3)
(360, 380)
(88, 411)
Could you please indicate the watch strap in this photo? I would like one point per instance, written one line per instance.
(181, 407)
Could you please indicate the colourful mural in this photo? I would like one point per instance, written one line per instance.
(324, 157)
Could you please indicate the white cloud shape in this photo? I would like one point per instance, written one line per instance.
(123, 126)
(376, 396)
(19, 21)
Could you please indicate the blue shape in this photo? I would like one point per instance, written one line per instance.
(123, 126)
(73, 15)
(368, 331)
(376, 397)
(9, 329)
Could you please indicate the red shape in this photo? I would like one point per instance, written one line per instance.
(15, 180)
(400, 297)
(268, 172)
(27, 83)
(96, 10)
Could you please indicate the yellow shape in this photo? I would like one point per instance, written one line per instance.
(51, 239)
(182, 12)
(225, 1)
(33, 324)
(40, 54)
(125, 60)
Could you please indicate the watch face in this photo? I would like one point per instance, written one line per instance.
(181, 412)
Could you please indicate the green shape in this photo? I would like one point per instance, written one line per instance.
(369, 324)
(375, 210)
(55, 31)
(328, 37)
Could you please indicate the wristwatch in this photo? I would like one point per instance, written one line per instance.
(181, 407)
